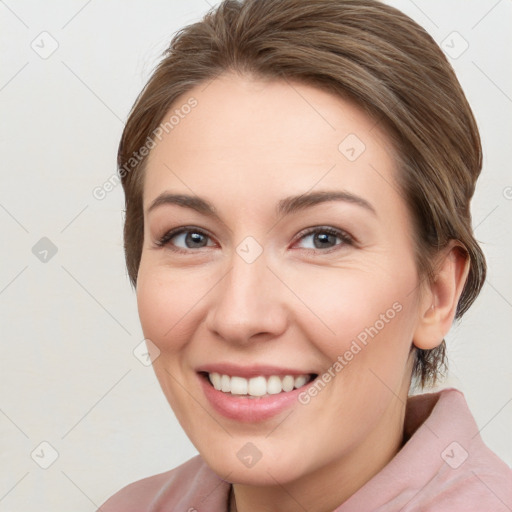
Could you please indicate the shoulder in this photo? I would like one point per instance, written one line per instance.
(483, 482)
(188, 487)
(471, 476)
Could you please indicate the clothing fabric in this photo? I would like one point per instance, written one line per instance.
(443, 466)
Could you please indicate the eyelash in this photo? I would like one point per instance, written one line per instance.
(342, 235)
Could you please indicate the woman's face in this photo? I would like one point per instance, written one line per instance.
(255, 274)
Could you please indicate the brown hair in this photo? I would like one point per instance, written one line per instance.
(362, 50)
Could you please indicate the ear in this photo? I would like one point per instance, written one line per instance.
(440, 298)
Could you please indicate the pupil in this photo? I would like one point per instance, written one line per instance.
(195, 238)
(324, 237)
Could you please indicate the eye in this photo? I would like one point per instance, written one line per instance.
(184, 238)
(325, 238)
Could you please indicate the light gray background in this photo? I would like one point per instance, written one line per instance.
(69, 325)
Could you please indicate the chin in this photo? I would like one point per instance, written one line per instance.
(240, 464)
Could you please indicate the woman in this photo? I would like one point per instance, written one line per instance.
(298, 177)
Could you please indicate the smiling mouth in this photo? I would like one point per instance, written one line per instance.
(256, 387)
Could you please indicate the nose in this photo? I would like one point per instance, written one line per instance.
(248, 303)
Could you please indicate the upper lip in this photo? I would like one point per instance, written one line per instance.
(249, 371)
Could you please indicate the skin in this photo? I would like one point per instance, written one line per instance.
(248, 144)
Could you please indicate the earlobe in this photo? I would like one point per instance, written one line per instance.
(439, 305)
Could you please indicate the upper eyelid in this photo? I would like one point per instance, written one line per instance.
(318, 229)
(171, 233)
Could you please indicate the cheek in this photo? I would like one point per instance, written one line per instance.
(152, 302)
(355, 305)
(167, 308)
(167, 305)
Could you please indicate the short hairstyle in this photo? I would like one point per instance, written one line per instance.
(361, 50)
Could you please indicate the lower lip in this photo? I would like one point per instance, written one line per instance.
(249, 410)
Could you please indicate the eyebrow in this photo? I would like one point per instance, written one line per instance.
(284, 207)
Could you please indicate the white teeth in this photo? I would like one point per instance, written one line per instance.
(225, 383)
(215, 380)
(274, 385)
(300, 381)
(239, 386)
(288, 383)
(256, 386)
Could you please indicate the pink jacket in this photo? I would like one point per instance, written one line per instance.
(444, 466)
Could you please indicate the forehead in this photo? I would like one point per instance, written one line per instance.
(249, 137)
